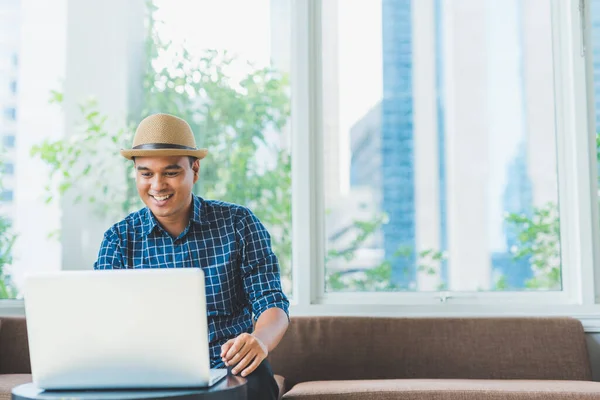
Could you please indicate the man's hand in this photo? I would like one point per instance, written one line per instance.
(244, 353)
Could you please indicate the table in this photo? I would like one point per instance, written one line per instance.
(229, 388)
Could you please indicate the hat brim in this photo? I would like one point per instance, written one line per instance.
(129, 154)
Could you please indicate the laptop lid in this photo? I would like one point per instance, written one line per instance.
(133, 328)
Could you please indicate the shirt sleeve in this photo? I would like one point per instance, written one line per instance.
(109, 255)
(260, 267)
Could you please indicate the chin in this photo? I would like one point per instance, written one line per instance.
(160, 212)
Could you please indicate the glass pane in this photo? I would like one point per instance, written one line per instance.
(244, 112)
(440, 146)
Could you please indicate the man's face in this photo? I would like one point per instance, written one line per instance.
(165, 184)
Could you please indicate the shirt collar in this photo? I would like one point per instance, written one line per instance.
(197, 216)
(198, 210)
(149, 223)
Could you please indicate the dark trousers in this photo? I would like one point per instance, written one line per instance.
(261, 383)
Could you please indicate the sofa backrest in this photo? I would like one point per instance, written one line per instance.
(14, 348)
(345, 348)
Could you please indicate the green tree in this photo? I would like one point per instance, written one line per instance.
(235, 119)
(379, 278)
(539, 241)
(86, 164)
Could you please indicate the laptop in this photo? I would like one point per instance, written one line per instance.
(119, 329)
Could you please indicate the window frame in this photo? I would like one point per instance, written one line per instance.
(577, 186)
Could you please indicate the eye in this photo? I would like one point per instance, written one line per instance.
(146, 174)
(171, 174)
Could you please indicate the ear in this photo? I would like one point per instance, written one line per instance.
(196, 169)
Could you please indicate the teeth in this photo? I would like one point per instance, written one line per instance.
(161, 198)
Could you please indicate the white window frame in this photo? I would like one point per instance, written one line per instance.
(577, 188)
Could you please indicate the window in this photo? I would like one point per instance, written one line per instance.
(440, 161)
(433, 159)
(248, 112)
(233, 90)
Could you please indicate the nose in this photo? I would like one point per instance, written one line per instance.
(158, 183)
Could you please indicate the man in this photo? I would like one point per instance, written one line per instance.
(178, 229)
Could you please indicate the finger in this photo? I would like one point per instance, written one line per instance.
(252, 366)
(226, 347)
(241, 354)
(244, 362)
(238, 344)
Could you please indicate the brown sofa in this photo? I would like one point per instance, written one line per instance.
(402, 358)
(14, 355)
(434, 358)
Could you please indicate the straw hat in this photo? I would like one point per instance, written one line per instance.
(163, 135)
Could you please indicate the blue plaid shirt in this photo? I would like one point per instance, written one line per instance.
(227, 241)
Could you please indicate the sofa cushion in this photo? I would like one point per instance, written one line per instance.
(14, 348)
(9, 381)
(444, 389)
(345, 348)
(280, 384)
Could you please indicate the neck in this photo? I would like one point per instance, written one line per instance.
(175, 224)
(173, 227)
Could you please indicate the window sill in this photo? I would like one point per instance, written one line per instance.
(588, 315)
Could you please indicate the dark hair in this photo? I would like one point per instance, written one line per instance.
(191, 158)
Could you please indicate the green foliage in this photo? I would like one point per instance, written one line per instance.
(429, 261)
(371, 280)
(598, 148)
(378, 278)
(237, 120)
(501, 283)
(233, 119)
(364, 230)
(87, 163)
(7, 241)
(539, 240)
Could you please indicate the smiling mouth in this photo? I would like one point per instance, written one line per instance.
(162, 198)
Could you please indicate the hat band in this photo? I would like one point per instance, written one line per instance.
(158, 146)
